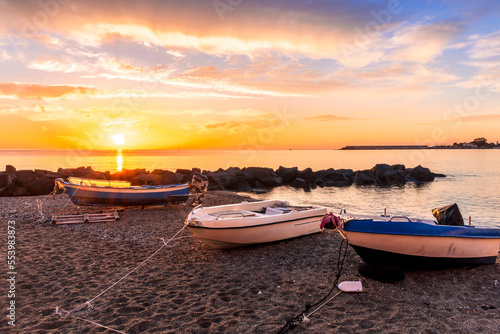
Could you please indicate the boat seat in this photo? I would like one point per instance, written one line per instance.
(277, 210)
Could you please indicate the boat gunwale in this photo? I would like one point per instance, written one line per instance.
(436, 230)
(189, 225)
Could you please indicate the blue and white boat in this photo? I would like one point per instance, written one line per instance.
(121, 193)
(407, 242)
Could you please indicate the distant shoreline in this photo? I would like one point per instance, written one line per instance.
(412, 147)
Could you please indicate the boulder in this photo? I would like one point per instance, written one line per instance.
(399, 167)
(385, 174)
(265, 178)
(338, 183)
(244, 186)
(5, 183)
(81, 171)
(288, 175)
(169, 178)
(336, 176)
(364, 177)
(301, 183)
(223, 179)
(24, 178)
(183, 171)
(422, 174)
(150, 179)
(306, 174)
(321, 174)
(11, 170)
(41, 187)
(97, 176)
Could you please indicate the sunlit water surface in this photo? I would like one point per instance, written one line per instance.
(473, 180)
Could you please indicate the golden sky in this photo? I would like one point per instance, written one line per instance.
(234, 74)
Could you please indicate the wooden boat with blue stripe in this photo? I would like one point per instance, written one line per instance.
(121, 193)
(398, 240)
(248, 223)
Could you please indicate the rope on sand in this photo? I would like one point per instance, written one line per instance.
(62, 312)
(301, 317)
(88, 303)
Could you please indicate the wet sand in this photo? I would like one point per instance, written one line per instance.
(190, 288)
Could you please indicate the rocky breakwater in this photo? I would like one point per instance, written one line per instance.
(41, 182)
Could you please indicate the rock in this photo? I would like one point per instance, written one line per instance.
(183, 171)
(96, 176)
(170, 178)
(158, 172)
(52, 175)
(338, 183)
(150, 179)
(80, 172)
(24, 178)
(385, 174)
(365, 177)
(336, 176)
(19, 191)
(438, 175)
(306, 174)
(288, 175)
(41, 187)
(39, 173)
(301, 183)
(244, 186)
(11, 170)
(265, 178)
(399, 167)
(251, 174)
(321, 174)
(410, 179)
(223, 179)
(5, 183)
(422, 174)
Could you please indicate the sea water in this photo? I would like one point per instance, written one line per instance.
(472, 178)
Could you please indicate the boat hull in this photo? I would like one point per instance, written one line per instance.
(412, 244)
(161, 195)
(236, 232)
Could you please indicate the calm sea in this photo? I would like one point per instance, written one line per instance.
(473, 178)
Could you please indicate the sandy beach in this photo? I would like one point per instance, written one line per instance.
(190, 288)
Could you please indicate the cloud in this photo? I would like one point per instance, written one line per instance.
(36, 91)
(329, 118)
(424, 42)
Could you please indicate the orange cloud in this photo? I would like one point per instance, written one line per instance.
(36, 91)
(329, 118)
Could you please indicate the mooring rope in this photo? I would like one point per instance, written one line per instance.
(301, 317)
(88, 303)
(71, 196)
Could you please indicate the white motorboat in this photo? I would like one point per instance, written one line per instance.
(247, 223)
(403, 241)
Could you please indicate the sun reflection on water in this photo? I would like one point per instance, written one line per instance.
(119, 160)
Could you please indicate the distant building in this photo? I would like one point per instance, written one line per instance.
(470, 145)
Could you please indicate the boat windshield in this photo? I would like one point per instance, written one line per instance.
(99, 183)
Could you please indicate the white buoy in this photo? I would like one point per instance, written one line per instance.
(351, 286)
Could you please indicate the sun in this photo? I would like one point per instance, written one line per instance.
(118, 139)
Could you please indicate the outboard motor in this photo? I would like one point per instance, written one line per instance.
(448, 215)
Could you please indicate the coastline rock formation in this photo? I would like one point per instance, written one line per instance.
(41, 182)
